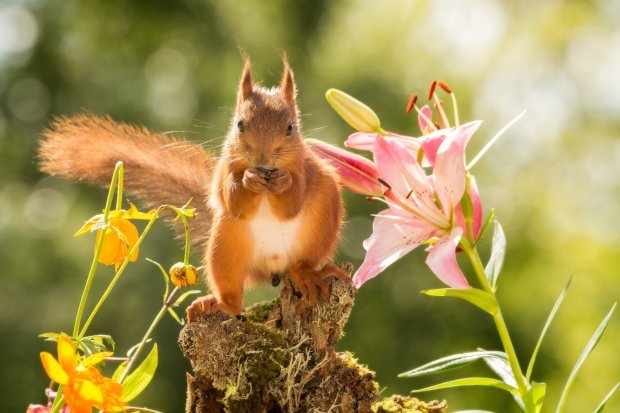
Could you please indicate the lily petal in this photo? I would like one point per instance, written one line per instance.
(442, 260)
(87, 391)
(365, 141)
(449, 170)
(425, 119)
(476, 220)
(66, 354)
(431, 143)
(95, 359)
(357, 173)
(395, 233)
(54, 369)
(399, 169)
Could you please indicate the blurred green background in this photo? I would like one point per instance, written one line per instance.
(554, 179)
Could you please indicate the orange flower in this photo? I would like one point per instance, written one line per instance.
(84, 386)
(118, 242)
(123, 236)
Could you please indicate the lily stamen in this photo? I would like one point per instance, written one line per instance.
(412, 100)
(431, 90)
(445, 123)
(449, 91)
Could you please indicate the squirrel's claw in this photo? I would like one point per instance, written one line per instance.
(279, 181)
(207, 304)
(254, 181)
(310, 281)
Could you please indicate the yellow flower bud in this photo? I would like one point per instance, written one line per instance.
(354, 112)
(183, 275)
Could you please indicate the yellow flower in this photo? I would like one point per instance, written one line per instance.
(123, 236)
(118, 242)
(183, 275)
(84, 386)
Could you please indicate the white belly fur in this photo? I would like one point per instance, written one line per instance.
(274, 239)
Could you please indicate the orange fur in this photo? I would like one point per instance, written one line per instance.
(265, 181)
(159, 169)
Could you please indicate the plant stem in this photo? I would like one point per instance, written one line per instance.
(119, 185)
(131, 253)
(186, 227)
(98, 248)
(118, 274)
(500, 323)
(58, 401)
(147, 335)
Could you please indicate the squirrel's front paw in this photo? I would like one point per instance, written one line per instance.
(254, 180)
(279, 181)
(202, 306)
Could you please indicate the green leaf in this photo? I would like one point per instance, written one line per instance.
(501, 367)
(183, 296)
(97, 343)
(498, 252)
(535, 396)
(584, 355)
(137, 380)
(554, 310)
(452, 362)
(603, 403)
(119, 371)
(486, 225)
(87, 348)
(471, 381)
(176, 316)
(166, 277)
(477, 297)
(50, 336)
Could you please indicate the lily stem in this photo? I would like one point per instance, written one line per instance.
(58, 401)
(118, 274)
(93, 266)
(147, 335)
(498, 318)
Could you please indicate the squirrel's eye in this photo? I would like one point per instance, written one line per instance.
(240, 125)
(289, 130)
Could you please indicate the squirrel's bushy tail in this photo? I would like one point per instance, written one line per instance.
(159, 169)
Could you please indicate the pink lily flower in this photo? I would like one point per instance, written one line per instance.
(422, 208)
(364, 141)
(357, 174)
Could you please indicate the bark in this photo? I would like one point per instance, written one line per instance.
(280, 356)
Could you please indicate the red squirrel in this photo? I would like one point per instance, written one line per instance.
(266, 206)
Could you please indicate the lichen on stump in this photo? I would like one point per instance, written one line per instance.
(279, 356)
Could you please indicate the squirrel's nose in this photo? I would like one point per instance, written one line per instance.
(262, 161)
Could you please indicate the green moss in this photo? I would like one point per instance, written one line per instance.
(268, 353)
(259, 312)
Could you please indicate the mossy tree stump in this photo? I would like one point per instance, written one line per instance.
(280, 357)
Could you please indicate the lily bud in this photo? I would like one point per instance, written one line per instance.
(183, 275)
(358, 174)
(354, 112)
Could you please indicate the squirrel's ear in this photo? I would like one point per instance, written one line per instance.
(245, 86)
(287, 85)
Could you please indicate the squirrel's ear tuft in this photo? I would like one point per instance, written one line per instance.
(287, 85)
(245, 86)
